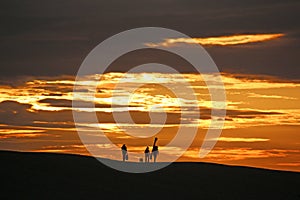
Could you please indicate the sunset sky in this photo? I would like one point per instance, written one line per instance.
(254, 44)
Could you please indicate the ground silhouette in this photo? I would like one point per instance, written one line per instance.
(62, 176)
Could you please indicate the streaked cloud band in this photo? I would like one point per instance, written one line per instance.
(219, 40)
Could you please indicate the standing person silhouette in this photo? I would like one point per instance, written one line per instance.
(124, 152)
(147, 154)
(155, 152)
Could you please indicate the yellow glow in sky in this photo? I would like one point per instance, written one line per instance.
(219, 40)
(261, 127)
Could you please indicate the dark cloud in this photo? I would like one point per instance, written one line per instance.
(248, 113)
(78, 104)
(52, 37)
(23, 79)
(14, 113)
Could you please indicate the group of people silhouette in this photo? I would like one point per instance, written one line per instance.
(148, 155)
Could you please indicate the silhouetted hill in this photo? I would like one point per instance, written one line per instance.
(61, 176)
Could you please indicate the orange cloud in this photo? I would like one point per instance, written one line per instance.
(236, 139)
(230, 154)
(219, 40)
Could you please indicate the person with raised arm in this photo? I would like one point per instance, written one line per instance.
(154, 152)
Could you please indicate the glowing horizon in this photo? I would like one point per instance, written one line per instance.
(41, 110)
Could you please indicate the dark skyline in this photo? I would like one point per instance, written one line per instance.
(52, 38)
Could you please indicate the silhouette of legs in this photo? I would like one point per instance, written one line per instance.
(147, 157)
(124, 155)
(154, 153)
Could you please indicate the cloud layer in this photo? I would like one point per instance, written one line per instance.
(37, 115)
